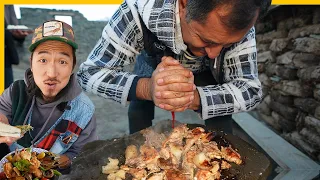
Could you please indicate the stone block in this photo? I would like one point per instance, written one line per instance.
(271, 69)
(270, 121)
(310, 74)
(279, 45)
(264, 108)
(264, 27)
(286, 73)
(268, 37)
(286, 125)
(286, 58)
(307, 44)
(264, 57)
(287, 112)
(294, 88)
(308, 105)
(263, 47)
(304, 31)
(300, 120)
(303, 60)
(297, 140)
(316, 94)
(261, 67)
(264, 79)
(267, 99)
(312, 123)
(311, 137)
(317, 114)
(278, 97)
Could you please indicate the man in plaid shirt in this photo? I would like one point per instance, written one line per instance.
(191, 54)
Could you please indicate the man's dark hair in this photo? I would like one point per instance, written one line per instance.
(240, 14)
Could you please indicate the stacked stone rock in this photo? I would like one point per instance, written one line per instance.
(288, 42)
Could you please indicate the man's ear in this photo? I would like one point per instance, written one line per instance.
(183, 8)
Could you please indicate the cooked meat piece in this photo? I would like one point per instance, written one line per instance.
(202, 161)
(138, 173)
(231, 155)
(172, 174)
(225, 165)
(131, 152)
(8, 169)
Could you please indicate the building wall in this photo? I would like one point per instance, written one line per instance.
(288, 42)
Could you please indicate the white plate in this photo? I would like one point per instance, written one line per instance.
(4, 159)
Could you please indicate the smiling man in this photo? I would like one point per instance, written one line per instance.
(49, 98)
(189, 54)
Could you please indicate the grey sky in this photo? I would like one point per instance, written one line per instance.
(90, 11)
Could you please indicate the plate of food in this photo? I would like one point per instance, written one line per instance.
(29, 163)
(188, 152)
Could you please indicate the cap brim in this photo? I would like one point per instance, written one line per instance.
(55, 38)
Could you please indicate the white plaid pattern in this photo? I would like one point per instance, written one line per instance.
(122, 39)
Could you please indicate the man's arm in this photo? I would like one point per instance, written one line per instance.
(102, 73)
(242, 90)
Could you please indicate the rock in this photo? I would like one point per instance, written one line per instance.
(261, 67)
(272, 122)
(309, 45)
(303, 60)
(267, 99)
(312, 123)
(265, 79)
(297, 140)
(286, 126)
(316, 94)
(267, 56)
(308, 105)
(312, 138)
(286, 73)
(265, 90)
(262, 47)
(311, 74)
(287, 112)
(317, 112)
(294, 88)
(268, 37)
(271, 69)
(300, 120)
(264, 108)
(299, 60)
(278, 97)
(286, 58)
(304, 31)
(278, 45)
(263, 27)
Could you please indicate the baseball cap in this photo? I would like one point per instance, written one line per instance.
(53, 30)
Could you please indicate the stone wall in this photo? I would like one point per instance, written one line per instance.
(288, 42)
(86, 32)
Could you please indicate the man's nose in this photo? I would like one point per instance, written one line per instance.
(52, 70)
(213, 51)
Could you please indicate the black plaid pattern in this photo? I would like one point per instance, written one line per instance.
(122, 41)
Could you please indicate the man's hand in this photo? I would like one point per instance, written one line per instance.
(4, 139)
(171, 86)
(20, 33)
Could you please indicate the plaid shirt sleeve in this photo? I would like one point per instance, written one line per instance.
(242, 90)
(102, 73)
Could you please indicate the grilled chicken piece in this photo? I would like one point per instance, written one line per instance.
(211, 150)
(230, 155)
(172, 174)
(25, 155)
(192, 137)
(202, 161)
(150, 158)
(8, 169)
(35, 164)
(131, 152)
(187, 164)
(37, 173)
(225, 165)
(205, 175)
(156, 176)
(176, 135)
(137, 173)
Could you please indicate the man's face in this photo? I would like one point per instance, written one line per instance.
(210, 37)
(52, 65)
